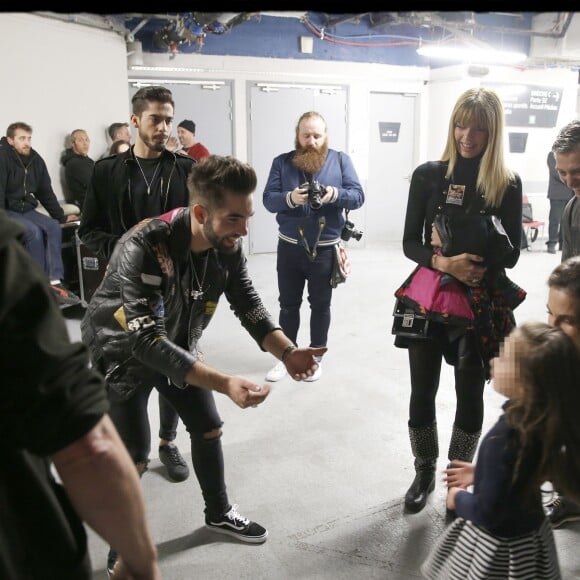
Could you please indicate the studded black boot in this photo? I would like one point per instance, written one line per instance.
(425, 448)
(461, 447)
(463, 444)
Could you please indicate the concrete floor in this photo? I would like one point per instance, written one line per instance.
(325, 465)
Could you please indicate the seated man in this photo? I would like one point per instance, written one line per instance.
(78, 167)
(24, 182)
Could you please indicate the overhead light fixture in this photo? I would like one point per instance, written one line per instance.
(167, 68)
(214, 85)
(471, 54)
(327, 89)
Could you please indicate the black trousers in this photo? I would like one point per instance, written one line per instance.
(168, 419)
(197, 409)
(425, 360)
(295, 271)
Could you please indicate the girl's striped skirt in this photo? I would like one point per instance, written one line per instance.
(467, 552)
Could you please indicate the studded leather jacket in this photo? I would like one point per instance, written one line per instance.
(156, 298)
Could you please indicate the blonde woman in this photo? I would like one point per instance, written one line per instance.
(471, 178)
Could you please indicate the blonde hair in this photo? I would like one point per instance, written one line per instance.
(482, 107)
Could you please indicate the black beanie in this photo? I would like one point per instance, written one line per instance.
(188, 125)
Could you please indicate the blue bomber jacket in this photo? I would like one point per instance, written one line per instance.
(338, 171)
(144, 318)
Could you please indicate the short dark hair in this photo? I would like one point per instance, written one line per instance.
(114, 127)
(568, 139)
(11, 130)
(566, 277)
(215, 176)
(144, 95)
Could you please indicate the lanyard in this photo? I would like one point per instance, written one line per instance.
(312, 254)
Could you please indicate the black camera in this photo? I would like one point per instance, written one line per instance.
(349, 231)
(316, 192)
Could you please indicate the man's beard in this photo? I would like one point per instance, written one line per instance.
(310, 160)
(153, 145)
(217, 242)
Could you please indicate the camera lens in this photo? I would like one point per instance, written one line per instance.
(315, 202)
(314, 195)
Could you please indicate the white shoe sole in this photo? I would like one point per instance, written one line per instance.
(242, 538)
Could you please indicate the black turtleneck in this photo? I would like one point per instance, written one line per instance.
(426, 199)
(465, 173)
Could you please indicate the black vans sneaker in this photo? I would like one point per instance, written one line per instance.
(236, 525)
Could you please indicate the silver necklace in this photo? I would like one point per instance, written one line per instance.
(198, 294)
(148, 183)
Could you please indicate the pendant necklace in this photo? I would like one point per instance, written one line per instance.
(198, 294)
(148, 183)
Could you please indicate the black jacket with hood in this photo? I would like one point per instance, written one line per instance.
(25, 183)
(104, 218)
(78, 170)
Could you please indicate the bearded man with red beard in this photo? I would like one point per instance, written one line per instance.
(309, 227)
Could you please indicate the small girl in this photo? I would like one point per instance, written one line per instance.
(501, 530)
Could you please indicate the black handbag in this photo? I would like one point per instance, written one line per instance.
(340, 266)
(479, 234)
(407, 322)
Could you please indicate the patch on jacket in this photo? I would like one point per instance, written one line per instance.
(119, 316)
(140, 323)
(150, 279)
(257, 314)
(165, 261)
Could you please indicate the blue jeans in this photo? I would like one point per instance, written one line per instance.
(43, 240)
(295, 270)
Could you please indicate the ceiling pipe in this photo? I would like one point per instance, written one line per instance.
(556, 35)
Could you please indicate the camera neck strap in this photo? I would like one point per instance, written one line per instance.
(312, 253)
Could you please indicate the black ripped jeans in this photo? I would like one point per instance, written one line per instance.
(196, 408)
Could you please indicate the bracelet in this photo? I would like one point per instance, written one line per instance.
(286, 352)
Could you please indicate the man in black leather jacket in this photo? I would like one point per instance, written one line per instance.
(161, 289)
(145, 181)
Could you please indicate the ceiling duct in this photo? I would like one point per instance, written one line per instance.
(564, 47)
(134, 53)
